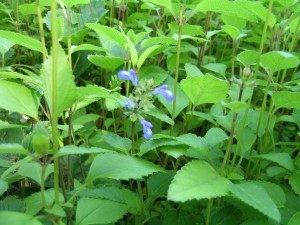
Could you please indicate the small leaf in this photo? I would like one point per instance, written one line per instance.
(294, 181)
(157, 113)
(232, 31)
(85, 47)
(17, 97)
(278, 60)
(219, 68)
(16, 218)
(192, 70)
(121, 167)
(34, 171)
(248, 57)
(282, 158)
(74, 150)
(98, 211)
(197, 180)
(286, 99)
(107, 62)
(3, 186)
(295, 220)
(256, 197)
(22, 40)
(204, 89)
(236, 106)
(165, 3)
(117, 142)
(146, 54)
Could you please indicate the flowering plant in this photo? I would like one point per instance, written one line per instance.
(140, 100)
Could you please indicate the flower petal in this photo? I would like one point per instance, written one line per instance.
(169, 95)
(125, 75)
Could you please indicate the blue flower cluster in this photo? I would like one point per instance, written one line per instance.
(141, 99)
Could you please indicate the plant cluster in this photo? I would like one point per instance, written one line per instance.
(152, 112)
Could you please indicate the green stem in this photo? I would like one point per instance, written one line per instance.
(208, 215)
(43, 198)
(180, 24)
(41, 29)
(54, 117)
(69, 37)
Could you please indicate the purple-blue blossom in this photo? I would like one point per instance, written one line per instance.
(163, 90)
(125, 75)
(128, 104)
(147, 132)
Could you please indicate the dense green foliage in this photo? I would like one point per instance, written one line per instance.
(153, 112)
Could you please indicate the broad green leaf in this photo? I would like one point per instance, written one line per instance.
(70, 3)
(107, 62)
(197, 180)
(164, 3)
(66, 90)
(248, 57)
(29, 9)
(157, 113)
(295, 220)
(194, 141)
(256, 197)
(14, 75)
(278, 60)
(146, 54)
(85, 47)
(16, 218)
(204, 89)
(282, 158)
(294, 181)
(158, 40)
(110, 33)
(236, 106)
(285, 99)
(34, 171)
(132, 50)
(117, 142)
(215, 136)
(17, 97)
(22, 40)
(98, 211)
(74, 150)
(219, 68)
(12, 149)
(192, 70)
(121, 167)
(232, 31)
(3, 186)
(5, 45)
(158, 185)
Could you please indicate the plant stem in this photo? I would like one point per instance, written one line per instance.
(41, 29)
(54, 117)
(209, 206)
(43, 198)
(203, 46)
(180, 24)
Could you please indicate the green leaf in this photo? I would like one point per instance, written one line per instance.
(3, 186)
(232, 31)
(5, 45)
(70, 3)
(192, 70)
(17, 97)
(157, 113)
(197, 180)
(16, 218)
(286, 99)
(12, 203)
(117, 142)
(66, 90)
(34, 171)
(23, 40)
(295, 220)
(146, 54)
(12, 149)
(256, 197)
(278, 60)
(158, 40)
(158, 185)
(132, 50)
(164, 3)
(98, 211)
(121, 167)
(178, 217)
(107, 62)
(294, 181)
(282, 158)
(215, 136)
(236, 106)
(110, 33)
(219, 68)
(86, 47)
(248, 57)
(204, 89)
(74, 150)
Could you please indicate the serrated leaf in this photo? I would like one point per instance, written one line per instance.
(204, 89)
(282, 158)
(98, 211)
(74, 150)
(22, 40)
(86, 47)
(34, 171)
(117, 142)
(146, 54)
(17, 97)
(256, 197)
(286, 99)
(12, 203)
(110, 33)
(107, 62)
(121, 167)
(279, 60)
(219, 68)
(197, 180)
(66, 90)
(132, 50)
(16, 218)
(156, 113)
(158, 40)
(294, 181)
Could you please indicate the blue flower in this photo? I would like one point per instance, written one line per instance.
(146, 129)
(125, 75)
(128, 104)
(169, 96)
